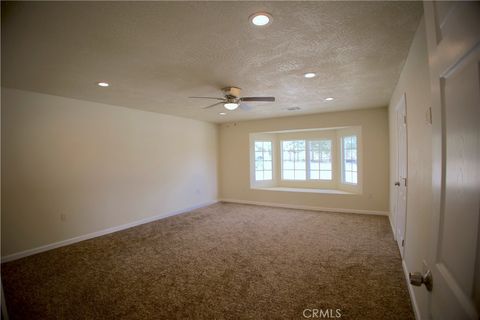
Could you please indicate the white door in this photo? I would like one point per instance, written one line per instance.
(401, 181)
(453, 33)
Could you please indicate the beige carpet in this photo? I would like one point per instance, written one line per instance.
(226, 261)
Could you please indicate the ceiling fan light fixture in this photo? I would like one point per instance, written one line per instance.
(260, 19)
(231, 105)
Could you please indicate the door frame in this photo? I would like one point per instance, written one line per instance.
(401, 103)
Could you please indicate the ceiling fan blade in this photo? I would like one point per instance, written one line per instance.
(214, 98)
(265, 99)
(213, 105)
(245, 107)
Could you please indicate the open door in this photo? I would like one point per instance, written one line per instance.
(401, 180)
(453, 33)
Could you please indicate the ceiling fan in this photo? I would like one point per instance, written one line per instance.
(232, 99)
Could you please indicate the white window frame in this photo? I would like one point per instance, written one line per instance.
(343, 185)
(264, 137)
(281, 161)
(272, 160)
(316, 185)
(344, 170)
(309, 171)
(307, 160)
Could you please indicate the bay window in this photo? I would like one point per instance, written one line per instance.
(308, 159)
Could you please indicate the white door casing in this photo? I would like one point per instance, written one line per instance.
(401, 179)
(453, 35)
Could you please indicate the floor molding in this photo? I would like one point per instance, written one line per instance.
(393, 227)
(416, 311)
(99, 233)
(302, 207)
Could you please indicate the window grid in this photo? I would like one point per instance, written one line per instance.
(350, 169)
(263, 161)
(320, 160)
(294, 160)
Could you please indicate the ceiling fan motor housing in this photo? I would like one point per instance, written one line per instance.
(232, 92)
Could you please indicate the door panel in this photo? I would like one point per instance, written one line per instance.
(461, 133)
(401, 206)
(453, 34)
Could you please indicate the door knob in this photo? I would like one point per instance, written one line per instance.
(397, 184)
(417, 279)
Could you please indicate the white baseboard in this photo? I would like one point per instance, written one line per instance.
(393, 227)
(302, 207)
(99, 233)
(416, 311)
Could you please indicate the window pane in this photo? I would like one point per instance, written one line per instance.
(301, 155)
(300, 175)
(267, 165)
(354, 177)
(325, 165)
(288, 165)
(267, 146)
(348, 165)
(326, 175)
(349, 161)
(348, 177)
(354, 142)
(259, 165)
(320, 158)
(294, 159)
(258, 175)
(288, 175)
(263, 160)
(300, 165)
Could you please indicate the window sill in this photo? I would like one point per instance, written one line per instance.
(304, 190)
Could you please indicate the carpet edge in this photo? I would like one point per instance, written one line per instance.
(95, 234)
(302, 207)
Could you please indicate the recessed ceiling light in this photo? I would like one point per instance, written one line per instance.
(231, 105)
(329, 99)
(222, 114)
(103, 84)
(309, 75)
(261, 18)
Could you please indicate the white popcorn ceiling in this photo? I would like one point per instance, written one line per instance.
(157, 54)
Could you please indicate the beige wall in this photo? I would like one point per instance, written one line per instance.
(235, 172)
(100, 165)
(415, 83)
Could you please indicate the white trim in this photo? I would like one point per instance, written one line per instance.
(302, 207)
(303, 190)
(99, 233)
(416, 311)
(393, 227)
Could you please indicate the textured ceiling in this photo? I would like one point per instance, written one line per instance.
(156, 54)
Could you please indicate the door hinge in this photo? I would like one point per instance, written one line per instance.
(403, 242)
(405, 119)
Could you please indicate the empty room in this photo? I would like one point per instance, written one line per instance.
(240, 160)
